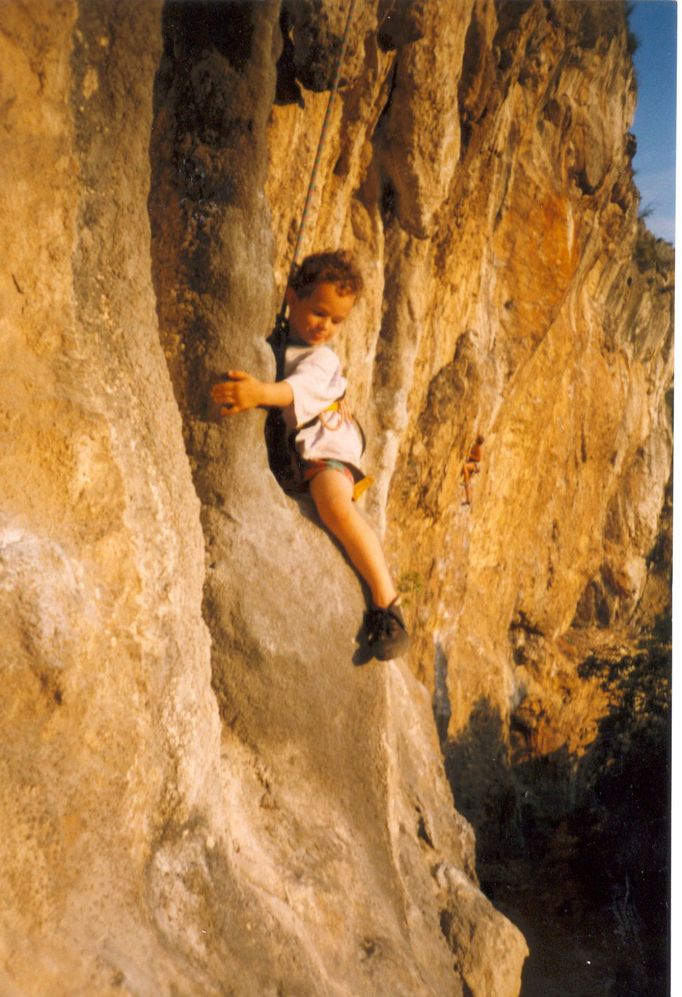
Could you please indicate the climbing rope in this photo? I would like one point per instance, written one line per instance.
(318, 155)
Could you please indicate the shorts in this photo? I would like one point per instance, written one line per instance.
(311, 468)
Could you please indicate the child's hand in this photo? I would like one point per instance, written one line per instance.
(240, 393)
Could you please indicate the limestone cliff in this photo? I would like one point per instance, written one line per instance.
(201, 792)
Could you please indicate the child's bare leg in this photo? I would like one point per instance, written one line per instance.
(466, 474)
(332, 494)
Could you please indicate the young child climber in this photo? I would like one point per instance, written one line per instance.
(328, 443)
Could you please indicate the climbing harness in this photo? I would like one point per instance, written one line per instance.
(363, 483)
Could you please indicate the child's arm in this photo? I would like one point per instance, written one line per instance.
(243, 392)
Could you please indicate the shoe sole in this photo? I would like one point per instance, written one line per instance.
(394, 652)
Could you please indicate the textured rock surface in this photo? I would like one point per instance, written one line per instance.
(516, 296)
(201, 793)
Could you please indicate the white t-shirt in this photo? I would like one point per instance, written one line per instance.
(314, 373)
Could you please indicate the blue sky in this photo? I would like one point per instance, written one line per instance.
(654, 23)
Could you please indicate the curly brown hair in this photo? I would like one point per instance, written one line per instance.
(337, 267)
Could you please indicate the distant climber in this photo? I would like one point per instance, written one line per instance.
(324, 436)
(471, 466)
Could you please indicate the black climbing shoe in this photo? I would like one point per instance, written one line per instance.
(386, 634)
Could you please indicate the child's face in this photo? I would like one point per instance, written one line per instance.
(317, 318)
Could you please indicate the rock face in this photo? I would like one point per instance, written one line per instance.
(202, 792)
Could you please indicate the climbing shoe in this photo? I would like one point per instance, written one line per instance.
(386, 634)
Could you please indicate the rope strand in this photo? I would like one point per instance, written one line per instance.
(318, 153)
